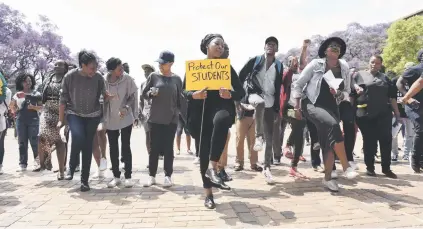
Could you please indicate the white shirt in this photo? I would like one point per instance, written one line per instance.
(266, 79)
(3, 109)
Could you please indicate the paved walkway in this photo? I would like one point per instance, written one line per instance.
(38, 200)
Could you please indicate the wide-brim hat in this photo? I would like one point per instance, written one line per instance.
(145, 66)
(326, 43)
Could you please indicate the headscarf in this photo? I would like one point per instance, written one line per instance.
(206, 41)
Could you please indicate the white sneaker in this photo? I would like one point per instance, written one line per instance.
(21, 169)
(115, 182)
(167, 182)
(331, 185)
(268, 176)
(178, 152)
(258, 145)
(99, 175)
(151, 181)
(353, 165)
(103, 164)
(334, 174)
(350, 173)
(128, 183)
(196, 161)
(1, 169)
(78, 168)
(190, 152)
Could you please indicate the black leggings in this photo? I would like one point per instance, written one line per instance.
(296, 139)
(125, 138)
(213, 139)
(347, 116)
(2, 136)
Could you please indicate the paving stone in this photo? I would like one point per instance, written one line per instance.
(38, 200)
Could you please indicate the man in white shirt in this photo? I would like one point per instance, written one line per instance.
(262, 80)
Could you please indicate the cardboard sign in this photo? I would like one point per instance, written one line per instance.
(211, 73)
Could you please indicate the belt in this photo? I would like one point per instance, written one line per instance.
(362, 106)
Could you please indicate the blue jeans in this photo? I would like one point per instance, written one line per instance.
(408, 138)
(27, 131)
(416, 116)
(82, 130)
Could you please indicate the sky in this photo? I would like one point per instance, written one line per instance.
(136, 31)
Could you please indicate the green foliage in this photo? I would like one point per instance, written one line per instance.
(405, 39)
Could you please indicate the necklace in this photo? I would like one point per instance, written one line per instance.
(58, 81)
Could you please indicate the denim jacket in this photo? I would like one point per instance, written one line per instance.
(311, 79)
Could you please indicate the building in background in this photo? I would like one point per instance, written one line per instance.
(418, 13)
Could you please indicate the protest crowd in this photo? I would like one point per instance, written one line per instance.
(77, 111)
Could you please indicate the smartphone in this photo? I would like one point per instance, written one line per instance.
(33, 99)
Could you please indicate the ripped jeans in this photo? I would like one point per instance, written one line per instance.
(27, 131)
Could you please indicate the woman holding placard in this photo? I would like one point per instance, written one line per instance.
(320, 105)
(210, 115)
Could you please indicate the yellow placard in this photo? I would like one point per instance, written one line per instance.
(211, 73)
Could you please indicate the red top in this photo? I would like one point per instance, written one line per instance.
(285, 90)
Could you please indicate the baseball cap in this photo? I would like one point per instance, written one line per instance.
(269, 39)
(166, 57)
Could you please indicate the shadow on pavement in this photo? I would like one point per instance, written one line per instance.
(237, 212)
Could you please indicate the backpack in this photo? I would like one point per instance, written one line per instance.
(252, 84)
(258, 61)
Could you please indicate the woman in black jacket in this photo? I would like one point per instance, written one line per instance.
(210, 115)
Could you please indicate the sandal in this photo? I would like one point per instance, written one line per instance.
(257, 168)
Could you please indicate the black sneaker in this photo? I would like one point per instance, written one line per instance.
(209, 202)
(214, 178)
(390, 174)
(405, 158)
(355, 155)
(224, 176)
(415, 165)
(394, 158)
(277, 161)
(85, 187)
(370, 173)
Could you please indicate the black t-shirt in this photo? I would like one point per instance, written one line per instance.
(326, 99)
(378, 90)
(411, 75)
(399, 97)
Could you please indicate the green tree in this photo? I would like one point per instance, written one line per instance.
(405, 39)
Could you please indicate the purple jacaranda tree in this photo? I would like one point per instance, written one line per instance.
(362, 42)
(28, 48)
